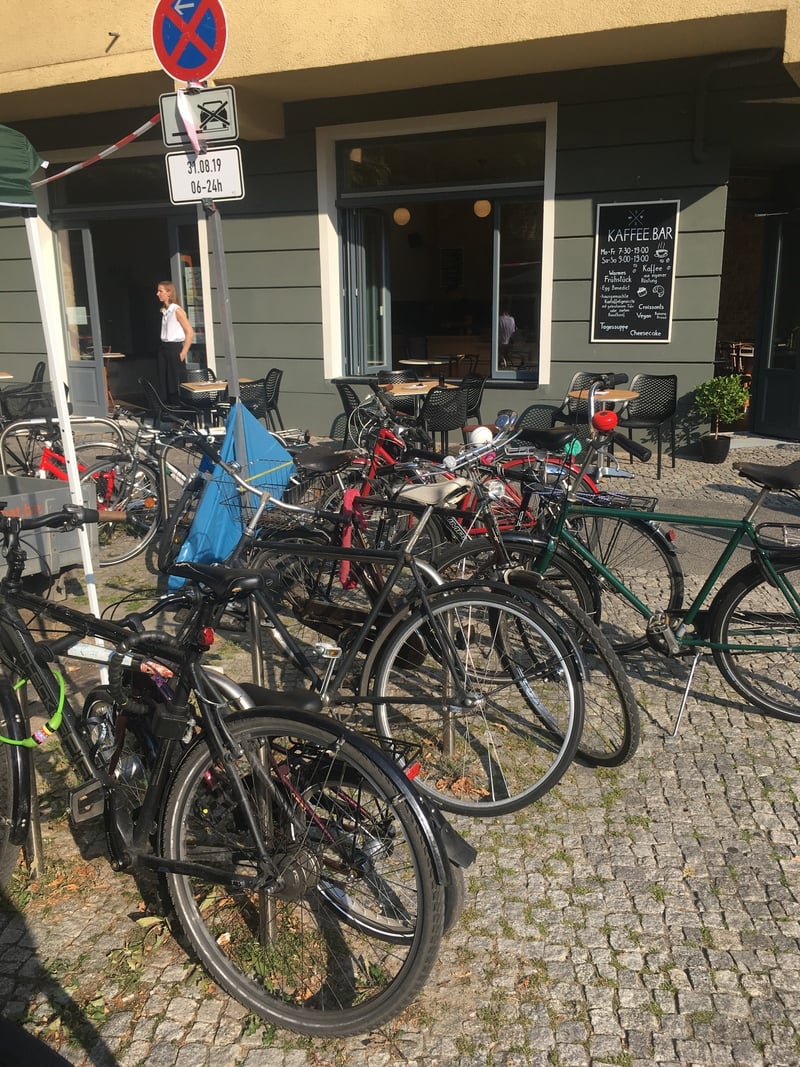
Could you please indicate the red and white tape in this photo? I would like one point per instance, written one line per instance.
(101, 155)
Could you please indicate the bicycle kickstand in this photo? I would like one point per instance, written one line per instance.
(689, 681)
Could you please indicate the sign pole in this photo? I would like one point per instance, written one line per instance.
(223, 292)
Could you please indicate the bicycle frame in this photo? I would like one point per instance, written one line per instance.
(740, 529)
(330, 685)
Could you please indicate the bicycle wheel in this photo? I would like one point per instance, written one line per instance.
(755, 637)
(128, 499)
(481, 558)
(340, 930)
(641, 557)
(611, 724)
(487, 692)
(178, 523)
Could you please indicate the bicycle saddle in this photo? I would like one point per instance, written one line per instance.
(552, 438)
(439, 494)
(322, 459)
(224, 583)
(780, 478)
(285, 700)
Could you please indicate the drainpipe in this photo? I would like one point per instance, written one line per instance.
(700, 152)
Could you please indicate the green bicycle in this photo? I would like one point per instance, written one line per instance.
(752, 625)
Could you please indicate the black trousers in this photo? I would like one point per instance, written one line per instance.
(171, 370)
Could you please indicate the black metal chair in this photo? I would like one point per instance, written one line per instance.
(254, 397)
(206, 405)
(272, 388)
(39, 371)
(443, 410)
(349, 397)
(654, 407)
(572, 410)
(403, 405)
(473, 385)
(161, 411)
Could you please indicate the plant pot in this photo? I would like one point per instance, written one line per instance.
(715, 449)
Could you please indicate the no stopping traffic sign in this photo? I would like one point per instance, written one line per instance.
(189, 37)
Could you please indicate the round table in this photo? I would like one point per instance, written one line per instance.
(419, 390)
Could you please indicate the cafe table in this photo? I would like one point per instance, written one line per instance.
(417, 390)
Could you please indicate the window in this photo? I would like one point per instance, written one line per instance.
(438, 231)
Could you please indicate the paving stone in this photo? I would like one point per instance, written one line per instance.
(645, 914)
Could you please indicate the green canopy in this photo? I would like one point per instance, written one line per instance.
(18, 163)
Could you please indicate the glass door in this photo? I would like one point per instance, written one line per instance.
(366, 305)
(777, 381)
(84, 344)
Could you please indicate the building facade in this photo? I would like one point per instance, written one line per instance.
(625, 190)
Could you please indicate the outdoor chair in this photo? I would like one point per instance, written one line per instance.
(272, 388)
(443, 410)
(574, 411)
(162, 412)
(652, 409)
(349, 397)
(254, 397)
(473, 386)
(206, 405)
(403, 405)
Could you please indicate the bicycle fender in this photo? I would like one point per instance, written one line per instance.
(583, 570)
(405, 792)
(20, 765)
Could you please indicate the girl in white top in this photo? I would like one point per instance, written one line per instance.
(176, 340)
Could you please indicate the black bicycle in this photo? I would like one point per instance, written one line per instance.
(304, 868)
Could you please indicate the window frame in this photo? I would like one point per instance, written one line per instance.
(327, 139)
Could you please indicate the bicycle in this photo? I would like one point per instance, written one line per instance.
(611, 727)
(305, 870)
(486, 684)
(750, 627)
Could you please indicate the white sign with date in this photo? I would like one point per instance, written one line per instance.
(215, 174)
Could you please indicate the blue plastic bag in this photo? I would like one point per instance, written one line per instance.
(219, 520)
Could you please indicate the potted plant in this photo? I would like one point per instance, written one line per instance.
(720, 400)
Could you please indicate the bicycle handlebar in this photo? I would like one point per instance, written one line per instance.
(633, 448)
(70, 517)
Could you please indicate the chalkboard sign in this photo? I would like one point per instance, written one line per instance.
(634, 271)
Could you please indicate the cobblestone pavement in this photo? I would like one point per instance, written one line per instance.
(642, 915)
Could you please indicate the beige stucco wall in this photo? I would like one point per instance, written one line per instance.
(291, 51)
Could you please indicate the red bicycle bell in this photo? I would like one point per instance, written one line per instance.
(604, 420)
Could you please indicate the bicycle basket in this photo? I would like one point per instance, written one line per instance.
(33, 401)
(778, 536)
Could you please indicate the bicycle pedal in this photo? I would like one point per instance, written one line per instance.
(86, 802)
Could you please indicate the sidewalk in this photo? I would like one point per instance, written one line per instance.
(643, 915)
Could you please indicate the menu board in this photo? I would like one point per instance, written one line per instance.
(634, 271)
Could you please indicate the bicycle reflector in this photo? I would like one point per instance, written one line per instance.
(604, 421)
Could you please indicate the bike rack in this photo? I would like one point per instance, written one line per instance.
(76, 421)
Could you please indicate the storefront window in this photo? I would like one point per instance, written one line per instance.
(431, 259)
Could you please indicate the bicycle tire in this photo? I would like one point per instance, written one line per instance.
(348, 936)
(130, 488)
(479, 557)
(640, 556)
(178, 523)
(753, 632)
(611, 723)
(512, 734)
(611, 726)
(9, 852)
